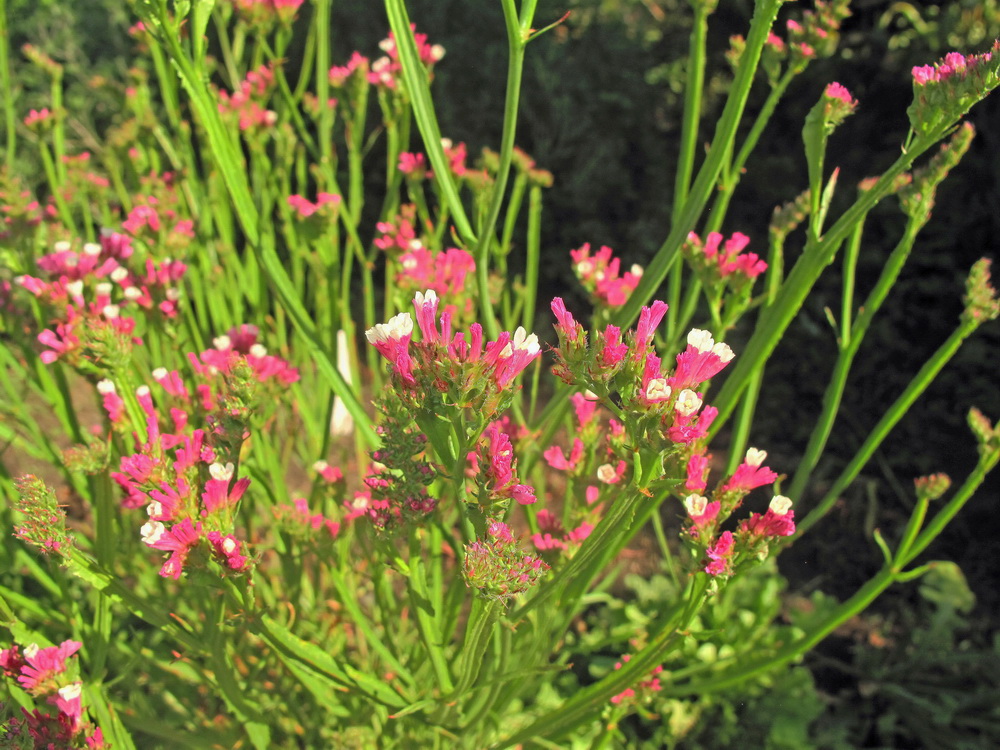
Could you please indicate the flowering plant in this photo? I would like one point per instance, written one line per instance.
(293, 509)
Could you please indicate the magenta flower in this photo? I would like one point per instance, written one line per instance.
(392, 340)
(702, 360)
(649, 319)
(720, 555)
(697, 471)
(555, 457)
(750, 474)
(778, 521)
(41, 665)
(701, 512)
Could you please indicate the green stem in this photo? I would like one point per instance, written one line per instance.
(888, 575)
(817, 255)
(889, 420)
(587, 703)
(10, 117)
(850, 344)
(418, 87)
(705, 183)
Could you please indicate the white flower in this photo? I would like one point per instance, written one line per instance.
(258, 350)
(695, 504)
(218, 471)
(75, 288)
(70, 692)
(160, 373)
(780, 505)
(606, 473)
(755, 457)
(92, 248)
(151, 532)
(688, 403)
(425, 298)
(222, 343)
(700, 340)
(104, 387)
(723, 352)
(657, 390)
(526, 341)
(111, 311)
(398, 327)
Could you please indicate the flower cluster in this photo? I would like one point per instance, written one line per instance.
(552, 536)
(400, 234)
(246, 104)
(186, 478)
(497, 567)
(666, 405)
(20, 211)
(640, 691)
(297, 518)
(43, 522)
(50, 673)
(716, 261)
(339, 74)
(750, 542)
(400, 475)
(599, 275)
(387, 71)
(445, 273)
(264, 13)
(498, 481)
(815, 35)
(305, 208)
(85, 292)
(475, 373)
(414, 165)
(945, 91)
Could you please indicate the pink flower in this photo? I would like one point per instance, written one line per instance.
(697, 470)
(613, 351)
(649, 320)
(701, 512)
(720, 555)
(778, 521)
(412, 164)
(42, 664)
(218, 493)
(67, 700)
(599, 274)
(339, 75)
(557, 459)
(750, 474)
(701, 361)
(584, 407)
(566, 324)
(392, 340)
(425, 307)
(687, 429)
(510, 355)
(498, 458)
(837, 91)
